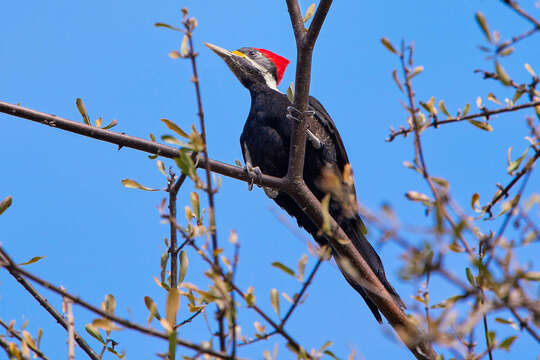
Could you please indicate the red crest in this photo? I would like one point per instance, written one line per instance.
(280, 62)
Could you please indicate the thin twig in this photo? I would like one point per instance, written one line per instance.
(10, 266)
(514, 5)
(302, 291)
(6, 262)
(211, 203)
(18, 337)
(483, 113)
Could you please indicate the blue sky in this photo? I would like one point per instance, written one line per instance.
(98, 237)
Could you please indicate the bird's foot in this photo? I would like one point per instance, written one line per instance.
(314, 140)
(295, 114)
(253, 173)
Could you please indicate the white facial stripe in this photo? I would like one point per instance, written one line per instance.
(268, 77)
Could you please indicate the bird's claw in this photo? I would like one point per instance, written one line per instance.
(253, 173)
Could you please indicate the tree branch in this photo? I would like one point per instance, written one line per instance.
(11, 267)
(132, 142)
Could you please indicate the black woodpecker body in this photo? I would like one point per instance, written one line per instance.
(265, 143)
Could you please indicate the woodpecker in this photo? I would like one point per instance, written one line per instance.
(265, 142)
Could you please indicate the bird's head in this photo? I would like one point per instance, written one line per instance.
(253, 66)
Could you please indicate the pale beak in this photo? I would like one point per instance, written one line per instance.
(223, 53)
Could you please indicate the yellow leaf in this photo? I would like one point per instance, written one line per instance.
(309, 13)
(388, 45)
(4, 204)
(32, 260)
(135, 185)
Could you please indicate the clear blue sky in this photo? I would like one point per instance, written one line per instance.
(98, 237)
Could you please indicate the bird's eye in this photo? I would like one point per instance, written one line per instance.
(252, 53)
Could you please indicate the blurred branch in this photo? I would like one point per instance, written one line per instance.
(14, 271)
(484, 113)
(11, 267)
(514, 5)
(18, 337)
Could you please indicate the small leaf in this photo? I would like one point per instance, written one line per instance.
(105, 324)
(90, 329)
(507, 343)
(514, 165)
(474, 200)
(481, 20)
(185, 164)
(507, 51)
(417, 70)
(171, 309)
(161, 167)
(274, 299)
(331, 354)
(530, 70)
(184, 263)
(32, 260)
(442, 107)
(99, 121)
(440, 181)
(110, 125)
(466, 109)
(290, 93)
(502, 75)
(174, 54)
(396, 80)
(152, 308)
(416, 196)
(470, 276)
(195, 204)
(302, 267)
(109, 305)
(82, 110)
(135, 185)
(184, 50)
(171, 125)
(388, 45)
(309, 13)
(479, 102)
(4, 204)
(532, 276)
(493, 98)
(484, 125)
(283, 268)
(160, 24)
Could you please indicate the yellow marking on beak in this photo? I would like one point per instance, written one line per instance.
(238, 53)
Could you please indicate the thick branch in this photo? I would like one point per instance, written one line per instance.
(131, 142)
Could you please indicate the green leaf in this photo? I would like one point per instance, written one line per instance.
(274, 299)
(331, 354)
(466, 109)
(482, 22)
(388, 45)
(152, 308)
(470, 276)
(82, 110)
(94, 332)
(302, 267)
(507, 343)
(283, 268)
(161, 167)
(171, 308)
(132, 184)
(195, 204)
(502, 75)
(326, 345)
(396, 80)
(484, 125)
(309, 13)
(4, 204)
(174, 141)
(185, 164)
(111, 125)
(184, 263)
(32, 260)
(172, 126)
(442, 107)
(160, 24)
(514, 165)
